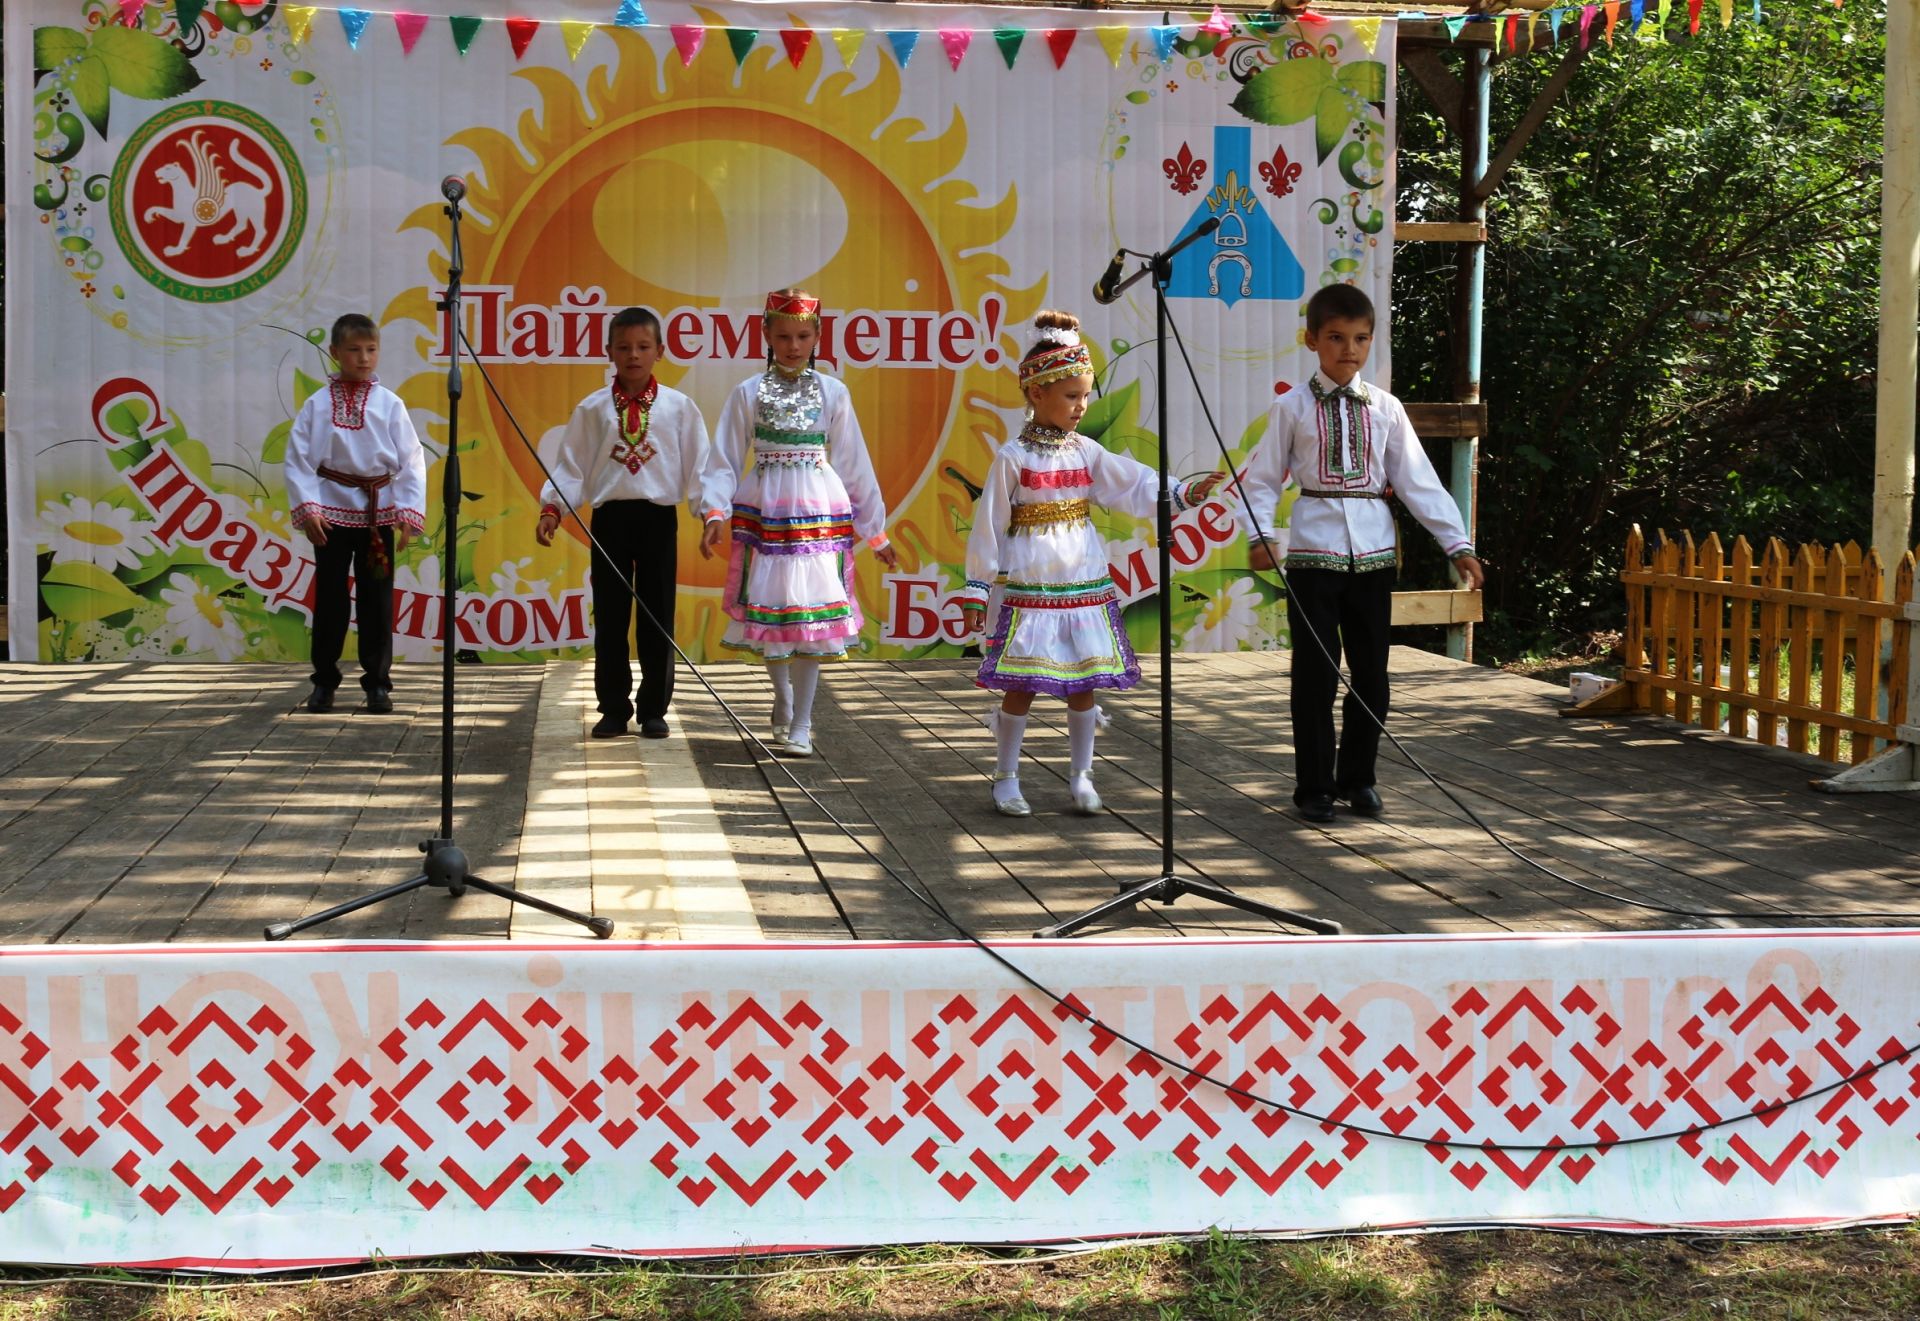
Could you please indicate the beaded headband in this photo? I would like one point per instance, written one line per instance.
(1055, 361)
(797, 306)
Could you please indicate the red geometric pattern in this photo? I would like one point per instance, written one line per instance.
(453, 1089)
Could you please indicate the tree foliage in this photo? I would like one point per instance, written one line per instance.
(1681, 302)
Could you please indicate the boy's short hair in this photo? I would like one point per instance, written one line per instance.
(634, 316)
(1337, 302)
(354, 325)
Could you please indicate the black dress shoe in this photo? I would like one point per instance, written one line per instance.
(320, 700)
(1316, 807)
(610, 727)
(1364, 802)
(379, 701)
(653, 727)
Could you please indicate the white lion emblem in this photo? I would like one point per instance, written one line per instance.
(202, 197)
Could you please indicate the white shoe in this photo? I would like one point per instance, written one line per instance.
(779, 735)
(798, 743)
(1014, 805)
(1086, 800)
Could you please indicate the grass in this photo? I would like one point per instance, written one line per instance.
(1507, 1275)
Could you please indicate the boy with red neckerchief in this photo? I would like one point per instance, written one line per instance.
(357, 486)
(632, 452)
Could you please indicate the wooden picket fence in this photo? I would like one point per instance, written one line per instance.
(1786, 651)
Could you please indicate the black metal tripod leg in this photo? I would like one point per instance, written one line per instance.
(1221, 895)
(281, 930)
(600, 926)
(1127, 898)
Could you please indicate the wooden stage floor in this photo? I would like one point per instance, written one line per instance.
(181, 803)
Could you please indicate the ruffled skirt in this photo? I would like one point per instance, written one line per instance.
(790, 582)
(1060, 649)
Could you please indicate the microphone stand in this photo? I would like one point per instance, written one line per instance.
(1168, 887)
(446, 863)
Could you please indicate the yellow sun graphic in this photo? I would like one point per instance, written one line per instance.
(702, 187)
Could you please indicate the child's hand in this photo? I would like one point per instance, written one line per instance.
(975, 617)
(888, 556)
(549, 524)
(1205, 486)
(402, 537)
(710, 537)
(1260, 555)
(1473, 574)
(316, 530)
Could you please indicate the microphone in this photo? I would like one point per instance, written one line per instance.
(1104, 289)
(453, 188)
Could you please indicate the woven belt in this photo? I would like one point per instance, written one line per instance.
(1344, 495)
(377, 560)
(1045, 513)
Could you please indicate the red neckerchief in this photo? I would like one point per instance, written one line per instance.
(634, 414)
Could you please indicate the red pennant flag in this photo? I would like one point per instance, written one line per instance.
(409, 26)
(796, 40)
(520, 32)
(1693, 18)
(1513, 28)
(1060, 41)
(687, 39)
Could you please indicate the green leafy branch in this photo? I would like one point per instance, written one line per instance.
(1311, 87)
(110, 58)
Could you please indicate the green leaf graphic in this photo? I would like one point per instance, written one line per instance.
(1367, 77)
(274, 448)
(53, 47)
(1330, 121)
(1286, 93)
(89, 88)
(143, 65)
(1108, 409)
(79, 590)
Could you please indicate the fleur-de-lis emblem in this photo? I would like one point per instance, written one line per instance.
(1280, 173)
(1185, 170)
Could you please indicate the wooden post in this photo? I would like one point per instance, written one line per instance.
(1899, 353)
(1686, 603)
(1773, 625)
(1711, 605)
(1866, 654)
(1806, 578)
(1833, 647)
(1740, 640)
(1634, 646)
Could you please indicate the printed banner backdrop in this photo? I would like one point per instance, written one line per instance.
(200, 191)
(249, 1107)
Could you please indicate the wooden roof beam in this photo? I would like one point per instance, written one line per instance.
(1530, 122)
(1430, 71)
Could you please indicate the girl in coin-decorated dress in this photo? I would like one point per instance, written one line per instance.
(1056, 626)
(804, 499)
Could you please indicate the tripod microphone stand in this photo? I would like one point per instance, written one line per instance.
(1168, 887)
(446, 863)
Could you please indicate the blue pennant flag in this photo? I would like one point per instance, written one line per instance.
(631, 15)
(1163, 39)
(1639, 12)
(353, 22)
(903, 44)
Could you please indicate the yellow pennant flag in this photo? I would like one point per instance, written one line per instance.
(1113, 40)
(850, 41)
(1368, 30)
(1726, 13)
(1532, 23)
(576, 33)
(300, 21)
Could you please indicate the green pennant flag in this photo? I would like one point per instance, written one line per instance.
(1453, 25)
(741, 40)
(1009, 40)
(465, 28)
(187, 12)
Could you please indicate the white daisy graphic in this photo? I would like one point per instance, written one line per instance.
(93, 531)
(508, 582)
(1228, 619)
(201, 617)
(421, 576)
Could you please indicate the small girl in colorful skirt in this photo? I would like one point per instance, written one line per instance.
(1056, 626)
(804, 497)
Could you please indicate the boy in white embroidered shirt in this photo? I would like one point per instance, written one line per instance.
(632, 452)
(357, 484)
(1349, 445)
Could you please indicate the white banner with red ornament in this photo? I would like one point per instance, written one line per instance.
(245, 1108)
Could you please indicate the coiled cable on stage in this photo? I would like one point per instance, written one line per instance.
(1890, 1054)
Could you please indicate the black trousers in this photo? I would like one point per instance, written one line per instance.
(1349, 612)
(347, 549)
(641, 541)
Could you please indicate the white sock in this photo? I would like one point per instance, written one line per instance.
(1080, 730)
(782, 692)
(806, 680)
(1008, 731)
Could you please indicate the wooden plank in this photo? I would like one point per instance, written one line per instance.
(1693, 690)
(1867, 678)
(1530, 122)
(1739, 640)
(1439, 231)
(1832, 651)
(1712, 603)
(1685, 606)
(1438, 607)
(1800, 630)
(1441, 421)
(1428, 70)
(1634, 645)
(1773, 627)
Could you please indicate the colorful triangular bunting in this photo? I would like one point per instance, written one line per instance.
(575, 32)
(1368, 30)
(1612, 10)
(740, 41)
(797, 41)
(1059, 42)
(1217, 23)
(353, 22)
(130, 12)
(687, 39)
(1454, 22)
(1512, 28)
(1693, 18)
(1008, 40)
(1636, 13)
(631, 15)
(955, 41)
(465, 27)
(409, 26)
(187, 12)
(1163, 39)
(1113, 40)
(300, 21)
(904, 42)
(520, 33)
(850, 40)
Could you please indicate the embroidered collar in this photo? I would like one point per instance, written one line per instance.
(1325, 389)
(634, 413)
(349, 400)
(1043, 437)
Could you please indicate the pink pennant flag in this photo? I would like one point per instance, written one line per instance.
(1217, 23)
(796, 40)
(130, 11)
(409, 26)
(1586, 24)
(687, 39)
(520, 33)
(956, 41)
(1060, 41)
